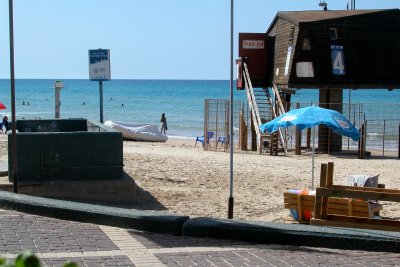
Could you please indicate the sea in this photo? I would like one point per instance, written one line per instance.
(143, 101)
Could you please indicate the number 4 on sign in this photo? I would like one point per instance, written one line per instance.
(338, 63)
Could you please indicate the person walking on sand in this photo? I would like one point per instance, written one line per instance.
(163, 123)
(5, 124)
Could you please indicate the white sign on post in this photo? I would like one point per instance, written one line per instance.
(99, 65)
(99, 70)
(289, 54)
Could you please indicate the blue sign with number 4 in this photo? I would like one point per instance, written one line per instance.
(337, 60)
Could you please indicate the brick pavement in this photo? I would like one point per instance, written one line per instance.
(57, 241)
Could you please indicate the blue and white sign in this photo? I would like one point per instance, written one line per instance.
(99, 65)
(288, 56)
(337, 60)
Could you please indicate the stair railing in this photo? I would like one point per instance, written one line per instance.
(255, 112)
(253, 105)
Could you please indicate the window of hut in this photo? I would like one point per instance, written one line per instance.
(306, 44)
(335, 33)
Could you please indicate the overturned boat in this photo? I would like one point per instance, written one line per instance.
(138, 132)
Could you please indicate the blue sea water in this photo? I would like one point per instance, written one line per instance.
(143, 101)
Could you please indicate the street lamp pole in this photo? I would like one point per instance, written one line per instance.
(231, 200)
(12, 80)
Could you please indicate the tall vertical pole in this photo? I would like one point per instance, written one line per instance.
(312, 161)
(353, 4)
(101, 100)
(348, 139)
(398, 149)
(383, 138)
(231, 200)
(57, 102)
(57, 87)
(12, 80)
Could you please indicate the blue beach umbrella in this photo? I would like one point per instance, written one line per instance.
(309, 117)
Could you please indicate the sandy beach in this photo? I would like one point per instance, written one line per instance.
(188, 180)
(184, 179)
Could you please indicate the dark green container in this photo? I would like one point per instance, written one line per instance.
(62, 150)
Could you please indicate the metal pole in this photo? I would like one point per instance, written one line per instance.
(231, 200)
(383, 139)
(101, 100)
(398, 149)
(216, 125)
(12, 80)
(57, 103)
(348, 139)
(312, 161)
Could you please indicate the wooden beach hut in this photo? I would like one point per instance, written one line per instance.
(341, 49)
(326, 50)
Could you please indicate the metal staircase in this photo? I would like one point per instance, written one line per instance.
(262, 110)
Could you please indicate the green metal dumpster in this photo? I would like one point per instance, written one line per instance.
(66, 149)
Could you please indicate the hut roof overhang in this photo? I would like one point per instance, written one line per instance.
(297, 17)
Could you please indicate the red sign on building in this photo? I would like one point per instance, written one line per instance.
(253, 51)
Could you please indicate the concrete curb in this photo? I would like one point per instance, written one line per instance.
(294, 234)
(160, 222)
(151, 221)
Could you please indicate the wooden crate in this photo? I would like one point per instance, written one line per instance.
(337, 206)
(328, 190)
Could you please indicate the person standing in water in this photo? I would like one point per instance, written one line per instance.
(163, 123)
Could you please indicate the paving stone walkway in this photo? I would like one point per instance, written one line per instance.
(57, 241)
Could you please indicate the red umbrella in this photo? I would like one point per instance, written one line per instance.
(2, 106)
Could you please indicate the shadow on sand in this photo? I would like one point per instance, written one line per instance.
(122, 193)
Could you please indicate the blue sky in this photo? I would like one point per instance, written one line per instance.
(149, 39)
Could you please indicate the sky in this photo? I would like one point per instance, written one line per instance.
(148, 39)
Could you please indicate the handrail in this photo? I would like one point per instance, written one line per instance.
(254, 109)
(281, 109)
(250, 90)
(283, 142)
(253, 106)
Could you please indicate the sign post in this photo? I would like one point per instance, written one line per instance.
(99, 70)
(57, 86)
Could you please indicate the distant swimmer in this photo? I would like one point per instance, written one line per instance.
(122, 105)
(83, 103)
(23, 103)
(28, 103)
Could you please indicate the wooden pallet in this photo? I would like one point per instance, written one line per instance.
(328, 190)
(337, 206)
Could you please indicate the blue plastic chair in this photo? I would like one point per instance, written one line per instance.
(201, 138)
(222, 140)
